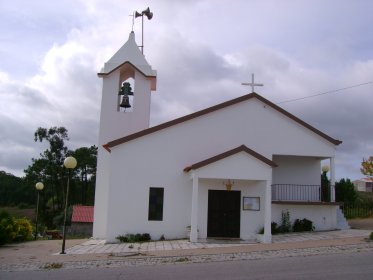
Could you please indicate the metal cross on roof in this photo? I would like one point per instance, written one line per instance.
(252, 84)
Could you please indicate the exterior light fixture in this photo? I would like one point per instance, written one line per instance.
(39, 187)
(228, 185)
(69, 163)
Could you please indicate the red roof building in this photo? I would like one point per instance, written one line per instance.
(82, 214)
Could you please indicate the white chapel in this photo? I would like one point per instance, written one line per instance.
(226, 171)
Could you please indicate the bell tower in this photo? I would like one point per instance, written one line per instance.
(128, 81)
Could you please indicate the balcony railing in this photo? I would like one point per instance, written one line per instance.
(294, 192)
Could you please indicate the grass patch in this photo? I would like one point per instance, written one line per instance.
(20, 213)
(185, 259)
(53, 266)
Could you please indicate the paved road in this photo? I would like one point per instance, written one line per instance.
(336, 266)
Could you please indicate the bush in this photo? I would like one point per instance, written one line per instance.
(345, 191)
(131, 238)
(303, 225)
(25, 230)
(371, 236)
(8, 228)
(285, 223)
(274, 229)
(24, 205)
(14, 229)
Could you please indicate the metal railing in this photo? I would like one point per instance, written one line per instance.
(296, 192)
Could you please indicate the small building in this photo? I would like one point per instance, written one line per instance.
(82, 220)
(363, 185)
(225, 171)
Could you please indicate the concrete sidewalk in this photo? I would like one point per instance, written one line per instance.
(97, 246)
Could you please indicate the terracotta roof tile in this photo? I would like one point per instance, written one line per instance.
(82, 214)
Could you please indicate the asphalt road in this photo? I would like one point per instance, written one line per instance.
(335, 266)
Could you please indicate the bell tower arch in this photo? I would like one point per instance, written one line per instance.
(127, 83)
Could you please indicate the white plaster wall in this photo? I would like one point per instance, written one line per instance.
(238, 166)
(101, 194)
(296, 170)
(114, 124)
(323, 217)
(158, 160)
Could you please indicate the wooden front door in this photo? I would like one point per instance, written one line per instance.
(224, 211)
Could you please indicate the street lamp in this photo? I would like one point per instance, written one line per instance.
(39, 187)
(69, 163)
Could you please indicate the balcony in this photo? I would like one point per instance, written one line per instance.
(301, 193)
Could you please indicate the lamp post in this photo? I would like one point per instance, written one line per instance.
(39, 187)
(69, 163)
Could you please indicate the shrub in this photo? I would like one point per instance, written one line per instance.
(8, 228)
(25, 230)
(303, 225)
(285, 222)
(345, 191)
(130, 238)
(274, 229)
(371, 236)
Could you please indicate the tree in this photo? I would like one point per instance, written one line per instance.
(345, 191)
(86, 172)
(367, 167)
(49, 170)
(325, 184)
(14, 191)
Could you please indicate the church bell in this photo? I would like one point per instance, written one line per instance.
(126, 89)
(125, 102)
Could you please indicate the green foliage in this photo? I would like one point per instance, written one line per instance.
(303, 225)
(58, 218)
(274, 229)
(8, 228)
(48, 168)
(14, 230)
(325, 187)
(367, 167)
(131, 238)
(358, 210)
(285, 227)
(371, 236)
(345, 191)
(24, 230)
(14, 190)
(285, 222)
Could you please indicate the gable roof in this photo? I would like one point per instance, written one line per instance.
(82, 214)
(213, 109)
(128, 53)
(226, 154)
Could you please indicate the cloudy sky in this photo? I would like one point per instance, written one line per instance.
(51, 51)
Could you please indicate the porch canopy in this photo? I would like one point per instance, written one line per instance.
(240, 163)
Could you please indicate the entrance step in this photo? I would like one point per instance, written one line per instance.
(341, 220)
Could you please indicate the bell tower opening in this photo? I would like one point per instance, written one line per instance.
(125, 102)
